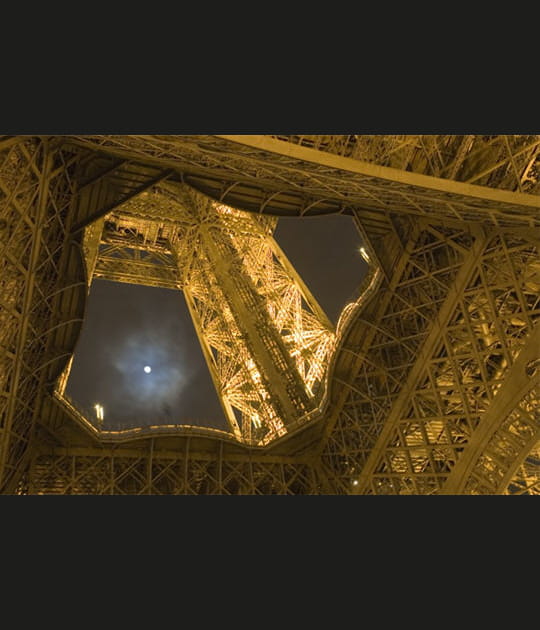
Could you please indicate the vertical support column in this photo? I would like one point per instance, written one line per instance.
(423, 355)
(517, 384)
(262, 333)
(259, 334)
(31, 219)
(211, 363)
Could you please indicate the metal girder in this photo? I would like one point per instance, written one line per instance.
(121, 471)
(106, 172)
(212, 365)
(404, 419)
(41, 288)
(431, 367)
(426, 426)
(299, 178)
(102, 211)
(422, 355)
(132, 270)
(409, 192)
(526, 479)
(6, 142)
(354, 333)
(126, 249)
(263, 334)
(38, 219)
(517, 384)
(357, 335)
(509, 162)
(244, 318)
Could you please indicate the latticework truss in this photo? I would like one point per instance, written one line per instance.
(434, 368)
(264, 337)
(40, 284)
(509, 162)
(128, 472)
(430, 385)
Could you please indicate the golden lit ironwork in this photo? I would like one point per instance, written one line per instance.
(264, 337)
(430, 384)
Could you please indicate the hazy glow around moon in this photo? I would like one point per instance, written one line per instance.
(147, 369)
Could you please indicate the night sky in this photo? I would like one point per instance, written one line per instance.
(128, 327)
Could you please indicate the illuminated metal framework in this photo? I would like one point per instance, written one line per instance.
(507, 162)
(125, 471)
(41, 287)
(264, 337)
(433, 373)
(432, 381)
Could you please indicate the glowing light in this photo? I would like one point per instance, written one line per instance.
(364, 254)
(147, 369)
(99, 411)
(355, 482)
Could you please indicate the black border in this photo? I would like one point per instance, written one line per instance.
(386, 73)
(438, 534)
(373, 562)
(402, 100)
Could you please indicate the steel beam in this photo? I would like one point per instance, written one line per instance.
(266, 175)
(422, 357)
(515, 386)
(383, 175)
(37, 224)
(101, 212)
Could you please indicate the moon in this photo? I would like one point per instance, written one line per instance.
(147, 369)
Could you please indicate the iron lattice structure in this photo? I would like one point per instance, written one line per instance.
(264, 337)
(430, 384)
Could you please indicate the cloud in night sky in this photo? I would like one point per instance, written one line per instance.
(127, 327)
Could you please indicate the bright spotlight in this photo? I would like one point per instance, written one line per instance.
(99, 412)
(147, 369)
(364, 254)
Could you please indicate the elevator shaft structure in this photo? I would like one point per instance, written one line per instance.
(263, 335)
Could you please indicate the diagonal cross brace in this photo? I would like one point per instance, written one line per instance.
(98, 214)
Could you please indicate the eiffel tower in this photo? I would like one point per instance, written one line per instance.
(429, 383)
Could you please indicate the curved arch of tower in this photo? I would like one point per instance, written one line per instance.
(429, 384)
